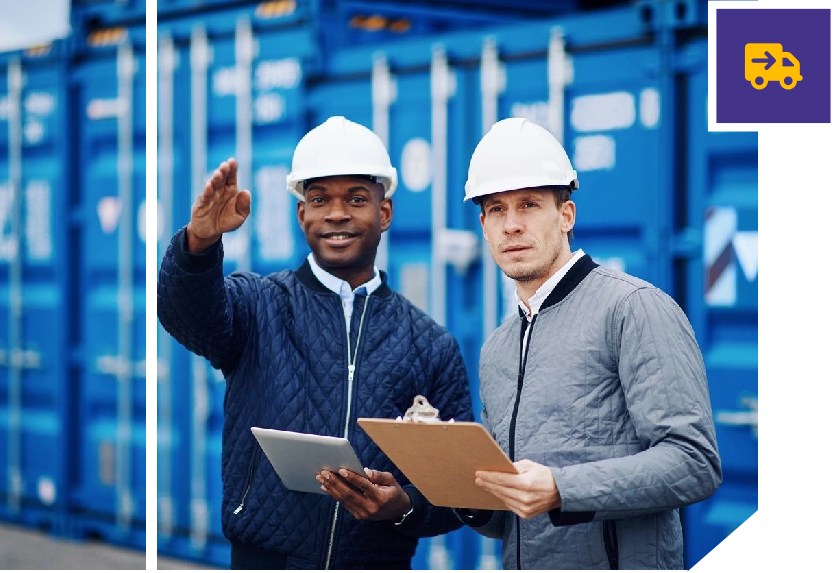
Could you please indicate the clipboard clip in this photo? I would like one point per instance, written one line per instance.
(420, 411)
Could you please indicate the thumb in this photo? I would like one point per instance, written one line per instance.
(524, 466)
(381, 478)
(243, 203)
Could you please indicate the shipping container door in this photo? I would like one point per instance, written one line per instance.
(36, 420)
(600, 98)
(241, 86)
(414, 97)
(721, 288)
(174, 201)
(110, 490)
(609, 124)
(429, 253)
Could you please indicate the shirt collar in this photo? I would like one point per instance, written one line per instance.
(340, 286)
(547, 287)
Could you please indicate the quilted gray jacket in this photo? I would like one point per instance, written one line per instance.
(612, 396)
(282, 344)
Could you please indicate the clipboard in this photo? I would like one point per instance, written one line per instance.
(441, 458)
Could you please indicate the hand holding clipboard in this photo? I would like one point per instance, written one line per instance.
(441, 458)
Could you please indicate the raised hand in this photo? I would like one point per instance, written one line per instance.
(220, 208)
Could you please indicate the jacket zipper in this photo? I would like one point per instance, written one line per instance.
(351, 360)
(239, 509)
(610, 541)
(522, 366)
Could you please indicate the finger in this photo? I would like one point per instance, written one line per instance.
(216, 181)
(208, 189)
(326, 478)
(231, 172)
(338, 488)
(525, 465)
(498, 478)
(223, 169)
(243, 203)
(357, 481)
(494, 489)
(382, 478)
(343, 484)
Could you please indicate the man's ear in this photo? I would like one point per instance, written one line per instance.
(301, 209)
(568, 216)
(386, 213)
(483, 226)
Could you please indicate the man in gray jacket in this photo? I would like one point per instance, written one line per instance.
(596, 390)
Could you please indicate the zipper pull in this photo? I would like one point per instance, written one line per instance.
(352, 372)
(239, 509)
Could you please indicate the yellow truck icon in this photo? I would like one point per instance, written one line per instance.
(769, 63)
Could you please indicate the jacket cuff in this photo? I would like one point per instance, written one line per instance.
(195, 263)
(473, 517)
(419, 509)
(559, 517)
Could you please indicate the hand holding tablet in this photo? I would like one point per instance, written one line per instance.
(298, 458)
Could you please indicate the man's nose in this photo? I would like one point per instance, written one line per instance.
(337, 212)
(513, 223)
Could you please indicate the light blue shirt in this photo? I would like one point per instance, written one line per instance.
(342, 288)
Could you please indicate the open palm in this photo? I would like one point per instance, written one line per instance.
(220, 208)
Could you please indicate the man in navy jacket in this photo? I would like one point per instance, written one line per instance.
(310, 351)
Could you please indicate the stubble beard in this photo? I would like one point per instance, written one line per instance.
(523, 274)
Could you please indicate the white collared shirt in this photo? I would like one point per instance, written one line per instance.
(342, 288)
(538, 299)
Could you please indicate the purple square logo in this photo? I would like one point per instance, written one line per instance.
(773, 66)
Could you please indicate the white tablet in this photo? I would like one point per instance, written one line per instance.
(298, 458)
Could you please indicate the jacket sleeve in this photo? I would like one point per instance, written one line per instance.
(449, 393)
(487, 522)
(663, 379)
(206, 312)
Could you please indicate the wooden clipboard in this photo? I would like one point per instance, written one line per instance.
(441, 458)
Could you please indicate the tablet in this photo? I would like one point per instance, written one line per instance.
(298, 458)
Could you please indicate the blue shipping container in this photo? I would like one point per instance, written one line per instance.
(109, 94)
(35, 384)
(661, 198)
(72, 181)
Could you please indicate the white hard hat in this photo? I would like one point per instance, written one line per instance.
(517, 154)
(339, 146)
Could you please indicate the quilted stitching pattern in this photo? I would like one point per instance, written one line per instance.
(615, 401)
(283, 349)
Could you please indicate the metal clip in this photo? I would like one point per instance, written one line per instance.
(421, 411)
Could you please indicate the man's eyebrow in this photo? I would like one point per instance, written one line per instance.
(353, 189)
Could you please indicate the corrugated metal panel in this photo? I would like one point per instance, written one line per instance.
(35, 387)
(109, 494)
(342, 23)
(259, 121)
(621, 88)
(73, 392)
(99, 13)
(720, 286)
(443, 89)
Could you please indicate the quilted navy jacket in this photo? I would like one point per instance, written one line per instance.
(281, 342)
